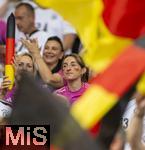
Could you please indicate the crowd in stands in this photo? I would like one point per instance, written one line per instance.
(44, 50)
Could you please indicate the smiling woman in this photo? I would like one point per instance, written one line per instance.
(53, 53)
(76, 75)
(48, 65)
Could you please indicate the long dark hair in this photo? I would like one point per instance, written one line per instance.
(57, 39)
(80, 61)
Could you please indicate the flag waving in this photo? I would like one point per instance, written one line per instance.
(129, 18)
(86, 17)
(107, 29)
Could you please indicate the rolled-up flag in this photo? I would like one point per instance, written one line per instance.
(10, 46)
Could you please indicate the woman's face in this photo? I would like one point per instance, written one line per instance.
(52, 52)
(71, 69)
(25, 63)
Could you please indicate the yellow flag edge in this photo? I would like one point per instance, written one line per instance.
(93, 105)
(9, 71)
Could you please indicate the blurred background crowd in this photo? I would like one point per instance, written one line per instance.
(48, 49)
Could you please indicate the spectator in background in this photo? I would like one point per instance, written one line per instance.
(24, 63)
(2, 41)
(51, 22)
(49, 66)
(25, 20)
(3, 7)
(76, 75)
(135, 130)
(2, 32)
(128, 115)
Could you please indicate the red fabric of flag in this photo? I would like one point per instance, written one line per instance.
(125, 17)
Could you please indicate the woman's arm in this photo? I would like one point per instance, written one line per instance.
(47, 76)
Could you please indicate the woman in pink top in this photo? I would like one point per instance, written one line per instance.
(76, 75)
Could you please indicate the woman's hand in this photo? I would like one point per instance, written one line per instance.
(6, 83)
(31, 45)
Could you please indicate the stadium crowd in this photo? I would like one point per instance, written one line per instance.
(47, 49)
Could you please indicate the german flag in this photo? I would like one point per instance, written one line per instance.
(107, 29)
(101, 46)
(125, 18)
(110, 86)
(10, 48)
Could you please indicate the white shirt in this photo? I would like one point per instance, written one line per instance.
(41, 36)
(50, 21)
(45, 19)
(129, 112)
(5, 109)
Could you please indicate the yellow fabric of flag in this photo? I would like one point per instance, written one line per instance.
(93, 105)
(86, 16)
(9, 72)
(141, 85)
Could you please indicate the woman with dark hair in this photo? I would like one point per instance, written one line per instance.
(76, 75)
(49, 64)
